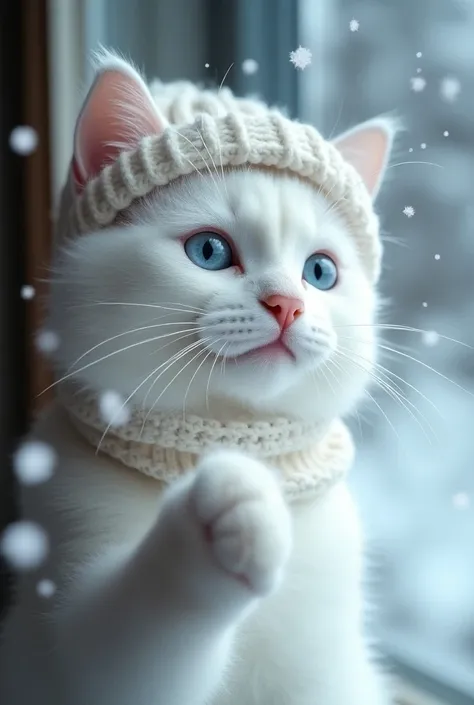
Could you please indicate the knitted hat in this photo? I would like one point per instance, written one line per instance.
(209, 128)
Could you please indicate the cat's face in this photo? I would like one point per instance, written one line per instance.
(214, 252)
(238, 285)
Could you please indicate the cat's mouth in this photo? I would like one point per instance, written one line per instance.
(275, 350)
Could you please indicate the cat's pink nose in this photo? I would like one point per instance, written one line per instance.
(285, 309)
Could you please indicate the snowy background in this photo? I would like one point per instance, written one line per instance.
(416, 493)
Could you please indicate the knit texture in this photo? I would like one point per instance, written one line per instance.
(209, 130)
(310, 457)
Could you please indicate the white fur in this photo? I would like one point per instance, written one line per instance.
(215, 591)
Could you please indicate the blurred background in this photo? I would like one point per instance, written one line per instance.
(414, 476)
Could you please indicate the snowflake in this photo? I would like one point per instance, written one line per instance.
(424, 304)
(461, 500)
(24, 545)
(445, 133)
(354, 25)
(423, 145)
(300, 58)
(34, 462)
(46, 588)
(418, 84)
(249, 67)
(206, 66)
(418, 70)
(23, 140)
(437, 256)
(27, 292)
(419, 54)
(409, 211)
(450, 89)
(430, 338)
(113, 410)
(411, 149)
(47, 341)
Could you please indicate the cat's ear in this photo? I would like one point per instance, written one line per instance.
(117, 113)
(367, 147)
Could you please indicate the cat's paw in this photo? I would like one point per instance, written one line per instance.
(243, 517)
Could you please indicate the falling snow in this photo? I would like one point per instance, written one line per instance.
(34, 462)
(47, 341)
(301, 57)
(424, 304)
(206, 66)
(423, 145)
(419, 54)
(450, 89)
(46, 588)
(27, 292)
(430, 338)
(437, 257)
(249, 67)
(461, 500)
(418, 70)
(354, 25)
(445, 133)
(112, 409)
(411, 149)
(417, 84)
(23, 140)
(24, 545)
(409, 211)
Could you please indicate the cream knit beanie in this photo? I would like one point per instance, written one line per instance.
(208, 128)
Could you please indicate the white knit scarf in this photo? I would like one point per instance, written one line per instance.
(311, 457)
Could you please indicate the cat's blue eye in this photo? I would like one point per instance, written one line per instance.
(320, 271)
(209, 250)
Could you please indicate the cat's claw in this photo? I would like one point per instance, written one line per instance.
(243, 517)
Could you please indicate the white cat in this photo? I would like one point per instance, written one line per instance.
(218, 590)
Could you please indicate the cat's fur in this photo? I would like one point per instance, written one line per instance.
(268, 609)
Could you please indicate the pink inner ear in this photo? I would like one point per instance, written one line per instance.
(117, 113)
(367, 150)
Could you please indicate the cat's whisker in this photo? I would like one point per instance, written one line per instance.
(394, 394)
(390, 373)
(409, 329)
(217, 355)
(200, 155)
(206, 340)
(392, 166)
(129, 332)
(225, 76)
(196, 371)
(222, 165)
(211, 157)
(106, 357)
(426, 366)
(213, 163)
(383, 413)
(169, 363)
(165, 307)
(332, 361)
(175, 340)
(123, 406)
(333, 207)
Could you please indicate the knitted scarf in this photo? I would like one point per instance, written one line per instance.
(311, 457)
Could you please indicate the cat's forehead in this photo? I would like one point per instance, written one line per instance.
(260, 209)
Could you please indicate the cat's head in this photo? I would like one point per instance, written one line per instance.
(242, 284)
